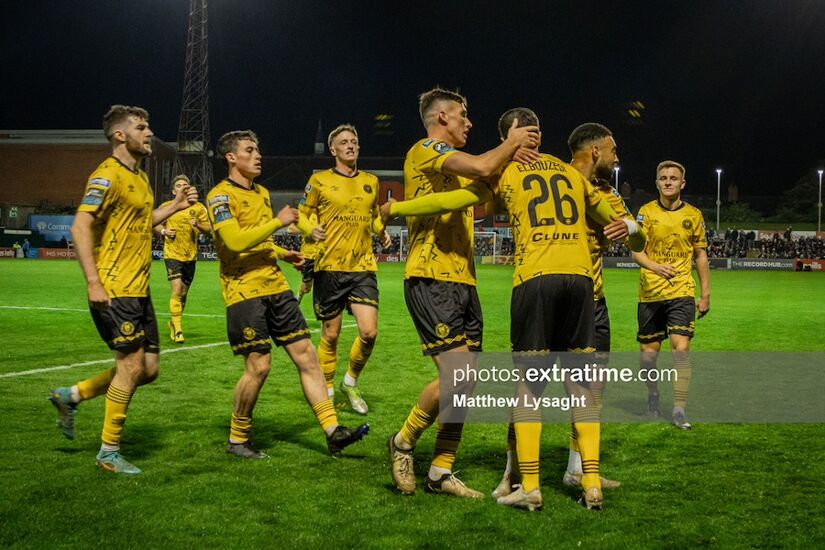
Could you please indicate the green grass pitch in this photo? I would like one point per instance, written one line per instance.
(724, 485)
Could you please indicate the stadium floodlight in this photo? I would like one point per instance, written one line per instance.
(718, 196)
(819, 205)
(616, 172)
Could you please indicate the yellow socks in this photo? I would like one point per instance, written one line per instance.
(97, 385)
(447, 440)
(325, 413)
(117, 401)
(328, 359)
(176, 310)
(528, 444)
(589, 436)
(417, 421)
(682, 382)
(239, 428)
(358, 356)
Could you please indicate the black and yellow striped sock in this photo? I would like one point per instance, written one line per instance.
(682, 382)
(447, 440)
(239, 428)
(328, 359)
(96, 385)
(587, 426)
(325, 413)
(359, 354)
(117, 401)
(528, 446)
(417, 421)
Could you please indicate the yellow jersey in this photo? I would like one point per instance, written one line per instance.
(440, 247)
(547, 202)
(121, 201)
(596, 240)
(672, 237)
(346, 207)
(254, 272)
(184, 247)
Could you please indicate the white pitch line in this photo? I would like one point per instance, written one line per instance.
(101, 361)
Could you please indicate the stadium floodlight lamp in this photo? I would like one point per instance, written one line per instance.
(718, 195)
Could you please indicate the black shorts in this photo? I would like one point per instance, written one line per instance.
(553, 313)
(335, 290)
(659, 319)
(185, 271)
(250, 324)
(308, 271)
(601, 328)
(446, 315)
(128, 324)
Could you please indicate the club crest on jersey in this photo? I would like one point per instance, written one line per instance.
(127, 328)
(367, 188)
(442, 330)
(687, 224)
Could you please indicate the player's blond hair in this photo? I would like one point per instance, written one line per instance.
(428, 100)
(670, 164)
(346, 127)
(183, 177)
(118, 114)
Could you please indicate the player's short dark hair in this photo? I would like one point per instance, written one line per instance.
(586, 134)
(670, 164)
(183, 177)
(427, 100)
(525, 116)
(346, 127)
(117, 114)
(229, 142)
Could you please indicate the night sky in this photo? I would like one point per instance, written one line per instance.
(733, 84)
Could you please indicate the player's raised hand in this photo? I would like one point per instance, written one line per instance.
(98, 297)
(526, 155)
(191, 194)
(616, 230)
(318, 233)
(527, 136)
(288, 215)
(384, 209)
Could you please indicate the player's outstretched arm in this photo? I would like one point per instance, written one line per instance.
(489, 163)
(438, 203)
(237, 239)
(703, 271)
(83, 237)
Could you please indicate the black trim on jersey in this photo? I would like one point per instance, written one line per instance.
(239, 186)
(662, 206)
(355, 175)
(134, 171)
